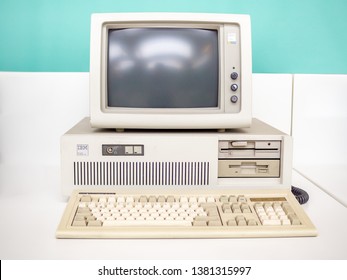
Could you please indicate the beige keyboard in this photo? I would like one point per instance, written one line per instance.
(203, 214)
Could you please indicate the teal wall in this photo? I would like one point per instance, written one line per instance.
(289, 36)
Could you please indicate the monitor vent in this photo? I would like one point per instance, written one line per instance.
(140, 173)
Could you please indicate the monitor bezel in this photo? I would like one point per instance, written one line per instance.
(169, 24)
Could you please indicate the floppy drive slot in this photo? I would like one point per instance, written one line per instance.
(248, 168)
(249, 149)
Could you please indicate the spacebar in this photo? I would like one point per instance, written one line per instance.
(145, 223)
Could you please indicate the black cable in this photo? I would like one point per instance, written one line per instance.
(301, 196)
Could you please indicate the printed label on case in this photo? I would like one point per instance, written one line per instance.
(231, 38)
(82, 150)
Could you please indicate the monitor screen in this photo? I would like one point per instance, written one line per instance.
(162, 68)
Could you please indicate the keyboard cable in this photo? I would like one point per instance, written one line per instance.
(301, 196)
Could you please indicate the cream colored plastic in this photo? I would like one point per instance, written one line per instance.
(236, 50)
(166, 153)
(248, 168)
(306, 228)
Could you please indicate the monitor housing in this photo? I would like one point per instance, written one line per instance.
(170, 71)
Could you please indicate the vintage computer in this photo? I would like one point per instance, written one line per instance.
(170, 149)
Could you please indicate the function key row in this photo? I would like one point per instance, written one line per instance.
(162, 199)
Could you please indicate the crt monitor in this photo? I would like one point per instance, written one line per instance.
(170, 71)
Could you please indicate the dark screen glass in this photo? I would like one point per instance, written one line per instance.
(162, 68)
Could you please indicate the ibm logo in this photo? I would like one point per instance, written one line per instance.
(82, 150)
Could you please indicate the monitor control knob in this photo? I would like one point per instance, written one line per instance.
(234, 87)
(234, 75)
(234, 99)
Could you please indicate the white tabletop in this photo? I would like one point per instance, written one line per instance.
(31, 207)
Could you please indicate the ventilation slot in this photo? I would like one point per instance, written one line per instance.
(141, 173)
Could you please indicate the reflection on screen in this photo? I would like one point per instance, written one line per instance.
(162, 68)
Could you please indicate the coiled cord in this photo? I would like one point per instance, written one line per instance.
(301, 196)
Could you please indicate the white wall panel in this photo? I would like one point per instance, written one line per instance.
(272, 99)
(35, 109)
(320, 131)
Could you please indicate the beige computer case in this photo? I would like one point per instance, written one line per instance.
(255, 157)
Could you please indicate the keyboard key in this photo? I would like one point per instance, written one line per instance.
(79, 223)
(285, 222)
(161, 223)
(294, 219)
(200, 223)
(80, 217)
(129, 199)
(252, 222)
(202, 199)
(214, 223)
(241, 221)
(231, 223)
(271, 222)
(287, 208)
(94, 223)
(86, 198)
(236, 208)
(226, 208)
(103, 199)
